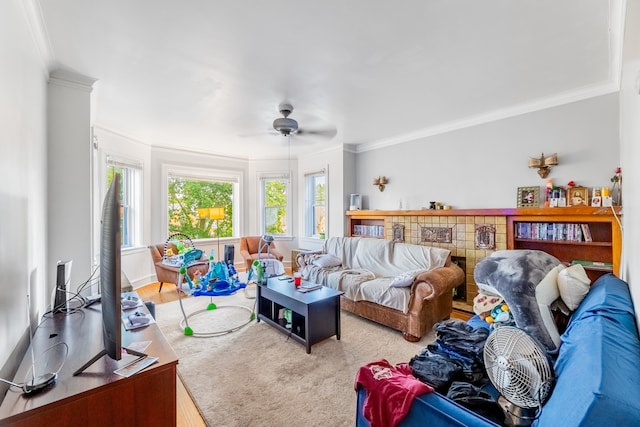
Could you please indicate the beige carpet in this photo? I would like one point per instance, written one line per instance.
(255, 376)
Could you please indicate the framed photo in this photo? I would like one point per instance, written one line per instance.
(528, 197)
(398, 233)
(485, 236)
(578, 196)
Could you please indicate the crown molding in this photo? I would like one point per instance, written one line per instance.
(39, 34)
(101, 128)
(71, 79)
(218, 155)
(617, 18)
(350, 148)
(495, 115)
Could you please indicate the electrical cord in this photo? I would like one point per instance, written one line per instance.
(28, 386)
(74, 297)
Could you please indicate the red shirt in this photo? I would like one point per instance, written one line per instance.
(390, 392)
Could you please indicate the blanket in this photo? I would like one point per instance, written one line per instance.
(514, 275)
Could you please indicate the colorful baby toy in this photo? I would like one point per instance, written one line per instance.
(500, 316)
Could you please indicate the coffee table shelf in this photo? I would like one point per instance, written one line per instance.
(315, 315)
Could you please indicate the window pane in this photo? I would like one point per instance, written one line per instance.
(320, 219)
(126, 221)
(186, 196)
(275, 206)
(320, 190)
(315, 215)
(275, 220)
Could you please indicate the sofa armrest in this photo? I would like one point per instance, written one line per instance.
(436, 282)
(276, 253)
(304, 256)
(432, 409)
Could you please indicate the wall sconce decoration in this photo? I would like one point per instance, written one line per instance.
(543, 164)
(380, 181)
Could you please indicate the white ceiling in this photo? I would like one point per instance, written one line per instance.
(208, 75)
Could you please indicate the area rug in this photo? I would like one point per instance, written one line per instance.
(255, 376)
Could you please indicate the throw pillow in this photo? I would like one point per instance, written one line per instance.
(484, 303)
(573, 284)
(405, 279)
(547, 293)
(327, 261)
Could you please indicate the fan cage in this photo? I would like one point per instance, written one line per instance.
(518, 367)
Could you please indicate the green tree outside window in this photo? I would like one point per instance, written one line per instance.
(275, 206)
(186, 196)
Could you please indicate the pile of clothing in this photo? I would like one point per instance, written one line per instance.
(454, 366)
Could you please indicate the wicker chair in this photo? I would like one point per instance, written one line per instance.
(168, 274)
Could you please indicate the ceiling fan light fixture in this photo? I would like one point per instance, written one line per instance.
(285, 125)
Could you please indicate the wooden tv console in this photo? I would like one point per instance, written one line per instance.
(96, 397)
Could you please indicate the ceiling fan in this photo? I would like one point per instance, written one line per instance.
(287, 126)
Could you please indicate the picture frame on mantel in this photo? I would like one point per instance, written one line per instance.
(528, 197)
(578, 196)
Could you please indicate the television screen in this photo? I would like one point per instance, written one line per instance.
(110, 285)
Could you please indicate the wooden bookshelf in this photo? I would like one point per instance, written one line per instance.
(604, 247)
(603, 224)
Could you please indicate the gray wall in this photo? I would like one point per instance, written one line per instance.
(69, 176)
(23, 201)
(482, 166)
(630, 151)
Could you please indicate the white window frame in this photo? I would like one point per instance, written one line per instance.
(132, 197)
(220, 175)
(310, 205)
(263, 178)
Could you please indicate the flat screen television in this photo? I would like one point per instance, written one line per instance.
(110, 285)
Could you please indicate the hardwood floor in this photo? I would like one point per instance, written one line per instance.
(187, 411)
(462, 310)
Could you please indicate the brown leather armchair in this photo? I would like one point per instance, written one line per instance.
(249, 247)
(169, 274)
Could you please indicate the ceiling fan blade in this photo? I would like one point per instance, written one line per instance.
(325, 133)
(258, 133)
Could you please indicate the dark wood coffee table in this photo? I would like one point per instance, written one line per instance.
(315, 315)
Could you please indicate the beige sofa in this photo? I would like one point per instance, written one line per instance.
(406, 287)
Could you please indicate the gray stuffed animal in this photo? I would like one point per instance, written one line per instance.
(514, 275)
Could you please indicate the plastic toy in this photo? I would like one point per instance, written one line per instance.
(500, 316)
(220, 280)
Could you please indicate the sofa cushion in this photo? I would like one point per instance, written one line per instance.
(573, 284)
(319, 275)
(375, 255)
(343, 248)
(326, 261)
(348, 281)
(608, 292)
(407, 257)
(597, 367)
(378, 291)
